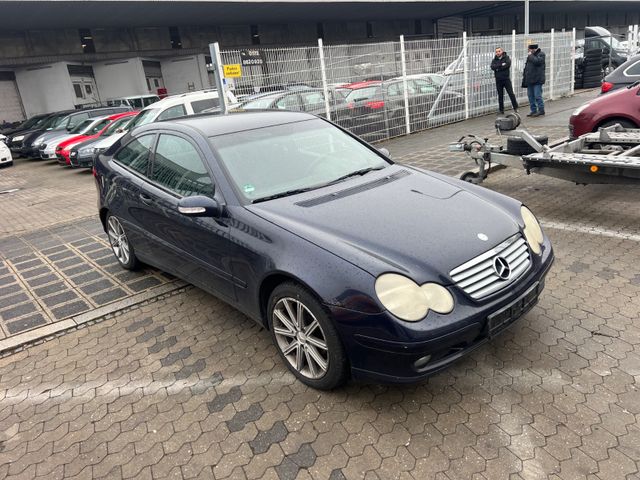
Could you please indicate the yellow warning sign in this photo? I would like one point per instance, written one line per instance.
(232, 71)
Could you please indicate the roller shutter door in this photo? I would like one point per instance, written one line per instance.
(10, 103)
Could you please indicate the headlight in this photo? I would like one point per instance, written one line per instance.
(532, 230)
(410, 301)
(73, 153)
(17, 138)
(38, 141)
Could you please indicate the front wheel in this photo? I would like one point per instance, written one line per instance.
(122, 248)
(306, 339)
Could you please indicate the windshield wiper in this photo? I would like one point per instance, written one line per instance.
(283, 194)
(357, 173)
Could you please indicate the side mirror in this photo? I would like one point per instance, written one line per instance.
(199, 206)
(384, 152)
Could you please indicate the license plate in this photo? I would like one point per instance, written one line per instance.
(509, 314)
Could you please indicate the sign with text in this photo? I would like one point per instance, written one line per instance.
(252, 57)
(232, 71)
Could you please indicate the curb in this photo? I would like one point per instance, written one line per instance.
(9, 345)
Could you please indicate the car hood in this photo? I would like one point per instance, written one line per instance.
(402, 220)
(51, 135)
(106, 142)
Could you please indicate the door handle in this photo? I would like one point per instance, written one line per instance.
(145, 199)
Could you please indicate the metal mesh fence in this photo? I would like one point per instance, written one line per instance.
(383, 90)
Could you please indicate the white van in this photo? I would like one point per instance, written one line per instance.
(137, 102)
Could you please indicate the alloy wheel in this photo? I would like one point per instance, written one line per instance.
(119, 241)
(300, 338)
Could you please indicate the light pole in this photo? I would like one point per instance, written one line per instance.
(526, 17)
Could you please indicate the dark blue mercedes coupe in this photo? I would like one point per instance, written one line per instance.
(358, 266)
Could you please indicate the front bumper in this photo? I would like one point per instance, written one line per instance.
(47, 154)
(406, 360)
(79, 161)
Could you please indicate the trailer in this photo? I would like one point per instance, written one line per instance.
(609, 156)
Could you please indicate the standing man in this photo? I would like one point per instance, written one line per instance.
(501, 66)
(533, 78)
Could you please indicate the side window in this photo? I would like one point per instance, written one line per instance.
(394, 90)
(77, 88)
(76, 119)
(422, 86)
(172, 112)
(633, 70)
(289, 102)
(178, 167)
(312, 100)
(135, 154)
(200, 105)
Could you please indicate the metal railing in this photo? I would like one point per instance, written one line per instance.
(388, 89)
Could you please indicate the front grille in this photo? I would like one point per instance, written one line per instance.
(478, 277)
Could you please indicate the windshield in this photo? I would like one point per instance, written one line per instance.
(116, 124)
(304, 155)
(144, 117)
(259, 103)
(31, 122)
(98, 126)
(82, 126)
(366, 93)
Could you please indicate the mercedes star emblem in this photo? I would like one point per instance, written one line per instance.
(502, 268)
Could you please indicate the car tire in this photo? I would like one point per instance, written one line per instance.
(299, 335)
(120, 244)
(623, 123)
(517, 146)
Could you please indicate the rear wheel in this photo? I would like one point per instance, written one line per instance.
(305, 338)
(122, 248)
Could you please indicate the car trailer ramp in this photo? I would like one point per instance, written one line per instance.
(611, 155)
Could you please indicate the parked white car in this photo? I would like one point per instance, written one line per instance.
(180, 105)
(5, 154)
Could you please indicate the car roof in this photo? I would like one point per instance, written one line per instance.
(181, 98)
(133, 97)
(213, 124)
(116, 116)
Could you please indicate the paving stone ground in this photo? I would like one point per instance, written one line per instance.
(186, 387)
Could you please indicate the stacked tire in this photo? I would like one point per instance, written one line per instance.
(592, 68)
(579, 74)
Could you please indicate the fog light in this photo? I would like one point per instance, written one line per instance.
(421, 362)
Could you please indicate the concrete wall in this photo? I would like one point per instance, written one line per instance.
(120, 78)
(183, 74)
(46, 88)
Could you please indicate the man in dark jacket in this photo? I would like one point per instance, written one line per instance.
(501, 66)
(533, 79)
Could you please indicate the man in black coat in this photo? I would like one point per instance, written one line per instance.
(501, 66)
(533, 78)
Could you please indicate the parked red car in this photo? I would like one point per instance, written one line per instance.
(64, 148)
(621, 106)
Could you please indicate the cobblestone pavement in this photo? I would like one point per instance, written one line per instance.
(186, 387)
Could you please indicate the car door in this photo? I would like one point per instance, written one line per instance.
(131, 165)
(196, 249)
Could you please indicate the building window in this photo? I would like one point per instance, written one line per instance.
(320, 30)
(174, 34)
(255, 35)
(86, 40)
(417, 27)
(370, 30)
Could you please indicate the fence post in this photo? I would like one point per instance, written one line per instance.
(513, 44)
(552, 63)
(407, 118)
(216, 60)
(465, 63)
(572, 87)
(323, 74)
